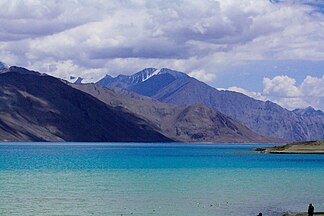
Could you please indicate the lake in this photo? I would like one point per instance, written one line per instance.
(155, 179)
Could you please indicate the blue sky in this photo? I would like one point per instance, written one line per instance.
(255, 71)
(270, 50)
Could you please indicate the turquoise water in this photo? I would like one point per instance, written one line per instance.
(155, 179)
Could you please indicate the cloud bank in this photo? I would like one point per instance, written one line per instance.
(91, 38)
(284, 91)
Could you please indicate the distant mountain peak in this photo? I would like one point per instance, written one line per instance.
(143, 75)
(76, 80)
(310, 108)
(126, 81)
(147, 73)
(308, 111)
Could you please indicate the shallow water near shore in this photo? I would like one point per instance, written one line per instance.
(155, 179)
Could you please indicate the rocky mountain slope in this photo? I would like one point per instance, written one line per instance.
(266, 118)
(37, 107)
(195, 123)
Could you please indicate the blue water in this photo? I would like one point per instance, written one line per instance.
(155, 179)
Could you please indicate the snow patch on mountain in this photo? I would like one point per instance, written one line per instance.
(126, 81)
(147, 73)
(143, 75)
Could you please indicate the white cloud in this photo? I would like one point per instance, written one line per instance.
(256, 95)
(202, 75)
(284, 91)
(198, 37)
(313, 86)
(280, 86)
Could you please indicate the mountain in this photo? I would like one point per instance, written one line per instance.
(265, 118)
(38, 107)
(195, 123)
(74, 79)
(309, 111)
(123, 81)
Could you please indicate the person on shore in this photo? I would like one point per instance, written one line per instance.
(260, 214)
(310, 210)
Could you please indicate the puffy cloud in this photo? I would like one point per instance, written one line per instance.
(284, 91)
(280, 86)
(202, 75)
(313, 87)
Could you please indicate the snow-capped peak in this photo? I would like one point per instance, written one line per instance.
(154, 73)
(124, 81)
(147, 73)
(142, 75)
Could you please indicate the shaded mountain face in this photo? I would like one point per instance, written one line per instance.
(266, 118)
(35, 107)
(196, 123)
(153, 85)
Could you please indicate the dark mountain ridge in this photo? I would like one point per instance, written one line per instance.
(38, 107)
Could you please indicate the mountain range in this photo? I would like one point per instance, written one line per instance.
(149, 106)
(39, 107)
(194, 123)
(265, 118)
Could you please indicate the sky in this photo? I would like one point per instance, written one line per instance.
(267, 49)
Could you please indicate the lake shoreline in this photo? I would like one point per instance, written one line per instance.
(309, 147)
